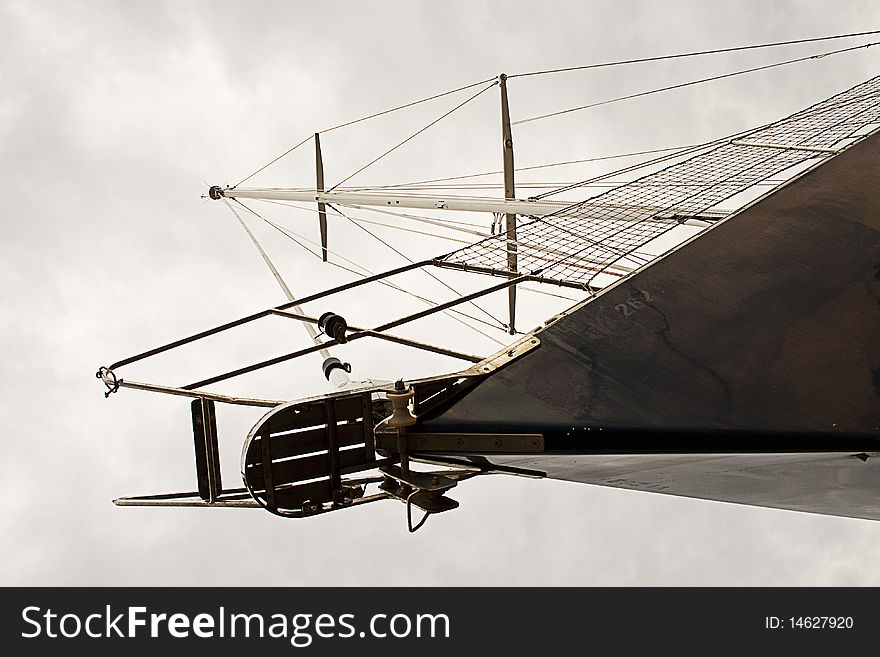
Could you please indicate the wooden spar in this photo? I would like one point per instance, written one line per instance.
(319, 186)
(509, 193)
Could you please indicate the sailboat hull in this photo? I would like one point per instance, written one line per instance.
(743, 366)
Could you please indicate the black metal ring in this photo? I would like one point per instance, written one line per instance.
(103, 373)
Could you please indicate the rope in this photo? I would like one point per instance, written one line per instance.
(693, 82)
(415, 134)
(694, 54)
(364, 118)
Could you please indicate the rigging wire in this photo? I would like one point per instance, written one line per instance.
(296, 238)
(417, 218)
(365, 118)
(479, 234)
(442, 222)
(559, 70)
(636, 256)
(694, 54)
(640, 165)
(415, 134)
(428, 220)
(656, 160)
(547, 294)
(381, 223)
(410, 260)
(490, 186)
(416, 102)
(460, 186)
(737, 170)
(313, 333)
(266, 166)
(409, 230)
(538, 166)
(684, 148)
(693, 82)
(698, 147)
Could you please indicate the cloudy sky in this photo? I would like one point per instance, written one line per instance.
(114, 116)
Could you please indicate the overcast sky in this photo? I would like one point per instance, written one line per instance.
(115, 115)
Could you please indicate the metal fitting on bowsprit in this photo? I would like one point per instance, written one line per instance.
(334, 326)
(333, 363)
(401, 416)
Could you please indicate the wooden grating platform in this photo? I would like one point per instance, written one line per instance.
(294, 459)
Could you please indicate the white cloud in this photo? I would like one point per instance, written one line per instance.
(111, 116)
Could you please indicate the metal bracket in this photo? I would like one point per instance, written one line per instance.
(464, 443)
(502, 358)
(431, 482)
(426, 490)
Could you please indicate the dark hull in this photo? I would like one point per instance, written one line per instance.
(744, 366)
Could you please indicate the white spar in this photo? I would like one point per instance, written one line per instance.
(336, 374)
(426, 202)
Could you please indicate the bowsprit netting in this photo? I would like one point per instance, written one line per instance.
(605, 236)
